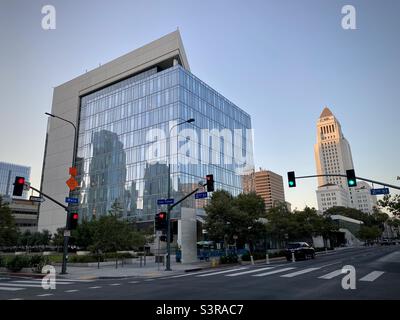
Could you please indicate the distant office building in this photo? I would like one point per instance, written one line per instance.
(364, 201)
(25, 213)
(267, 184)
(8, 172)
(115, 108)
(333, 156)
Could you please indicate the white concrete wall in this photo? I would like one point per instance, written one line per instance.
(187, 235)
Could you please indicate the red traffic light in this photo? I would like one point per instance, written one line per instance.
(75, 216)
(21, 181)
(161, 216)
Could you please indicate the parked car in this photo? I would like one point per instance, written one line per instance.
(301, 250)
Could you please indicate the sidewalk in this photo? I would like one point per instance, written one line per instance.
(150, 270)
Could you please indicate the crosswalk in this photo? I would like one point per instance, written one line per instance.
(280, 271)
(19, 285)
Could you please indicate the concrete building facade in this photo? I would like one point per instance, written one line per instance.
(267, 184)
(333, 156)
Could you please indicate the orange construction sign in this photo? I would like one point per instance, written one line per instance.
(73, 171)
(72, 183)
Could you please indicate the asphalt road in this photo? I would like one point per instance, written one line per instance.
(377, 271)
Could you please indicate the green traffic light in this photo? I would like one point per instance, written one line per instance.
(351, 182)
(291, 183)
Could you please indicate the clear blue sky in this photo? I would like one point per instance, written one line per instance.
(281, 61)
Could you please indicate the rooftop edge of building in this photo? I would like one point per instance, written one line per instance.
(136, 61)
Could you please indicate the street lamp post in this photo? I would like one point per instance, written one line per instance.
(168, 264)
(66, 238)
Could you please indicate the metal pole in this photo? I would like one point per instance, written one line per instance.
(66, 237)
(168, 264)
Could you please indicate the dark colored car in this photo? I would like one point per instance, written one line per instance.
(301, 250)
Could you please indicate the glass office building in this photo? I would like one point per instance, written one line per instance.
(121, 125)
(8, 172)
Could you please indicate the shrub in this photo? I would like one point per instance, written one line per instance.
(229, 259)
(16, 263)
(2, 262)
(38, 262)
(83, 259)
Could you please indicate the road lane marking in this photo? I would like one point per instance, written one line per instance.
(115, 284)
(247, 272)
(147, 280)
(187, 274)
(331, 275)
(37, 282)
(134, 282)
(15, 299)
(44, 295)
(11, 289)
(220, 272)
(21, 285)
(97, 287)
(70, 291)
(372, 276)
(272, 272)
(297, 273)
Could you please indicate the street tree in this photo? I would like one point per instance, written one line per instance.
(8, 228)
(391, 203)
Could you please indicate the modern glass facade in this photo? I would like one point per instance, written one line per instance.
(8, 172)
(124, 143)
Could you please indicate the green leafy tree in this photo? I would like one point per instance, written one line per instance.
(8, 229)
(369, 233)
(391, 203)
(229, 216)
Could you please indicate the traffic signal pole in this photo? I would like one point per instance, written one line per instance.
(344, 176)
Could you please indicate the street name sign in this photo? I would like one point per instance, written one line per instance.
(379, 191)
(71, 200)
(201, 195)
(165, 201)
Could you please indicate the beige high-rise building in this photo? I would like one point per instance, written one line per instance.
(333, 156)
(267, 184)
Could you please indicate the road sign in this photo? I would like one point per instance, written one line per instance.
(379, 191)
(67, 233)
(73, 171)
(71, 200)
(36, 199)
(201, 195)
(165, 201)
(72, 183)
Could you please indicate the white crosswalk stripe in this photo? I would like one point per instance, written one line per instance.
(39, 282)
(297, 273)
(272, 272)
(247, 272)
(372, 276)
(11, 289)
(220, 272)
(331, 275)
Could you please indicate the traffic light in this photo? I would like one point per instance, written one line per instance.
(291, 179)
(18, 186)
(210, 182)
(161, 221)
(73, 219)
(351, 178)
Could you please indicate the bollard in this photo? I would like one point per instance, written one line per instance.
(326, 249)
(252, 260)
(293, 258)
(140, 259)
(267, 258)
